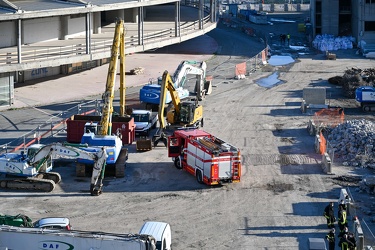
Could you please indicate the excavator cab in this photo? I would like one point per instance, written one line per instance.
(91, 127)
(191, 114)
(187, 112)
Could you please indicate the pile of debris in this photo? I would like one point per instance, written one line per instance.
(354, 78)
(353, 142)
(367, 184)
(137, 71)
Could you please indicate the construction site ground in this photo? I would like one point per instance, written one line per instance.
(283, 191)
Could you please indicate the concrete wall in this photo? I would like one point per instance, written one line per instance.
(314, 95)
(369, 15)
(369, 12)
(52, 28)
(76, 26)
(356, 23)
(96, 23)
(40, 73)
(113, 15)
(41, 29)
(131, 15)
(8, 34)
(330, 17)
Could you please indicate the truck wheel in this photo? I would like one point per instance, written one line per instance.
(177, 163)
(366, 108)
(202, 123)
(198, 175)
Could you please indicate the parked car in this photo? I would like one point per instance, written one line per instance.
(54, 223)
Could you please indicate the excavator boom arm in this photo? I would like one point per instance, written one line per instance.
(117, 49)
(188, 67)
(167, 85)
(60, 150)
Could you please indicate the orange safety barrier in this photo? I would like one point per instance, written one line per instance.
(264, 55)
(249, 31)
(240, 69)
(330, 117)
(323, 144)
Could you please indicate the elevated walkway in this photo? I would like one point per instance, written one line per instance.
(156, 34)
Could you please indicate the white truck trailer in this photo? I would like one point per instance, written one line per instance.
(21, 238)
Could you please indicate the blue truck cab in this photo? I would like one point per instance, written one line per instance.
(150, 94)
(112, 143)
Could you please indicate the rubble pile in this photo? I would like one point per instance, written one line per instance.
(137, 71)
(367, 184)
(354, 78)
(353, 142)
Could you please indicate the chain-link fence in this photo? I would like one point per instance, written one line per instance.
(228, 69)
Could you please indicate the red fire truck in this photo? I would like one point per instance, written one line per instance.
(211, 160)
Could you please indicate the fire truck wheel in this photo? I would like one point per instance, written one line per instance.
(199, 177)
(177, 163)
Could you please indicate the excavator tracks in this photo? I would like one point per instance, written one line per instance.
(30, 184)
(55, 177)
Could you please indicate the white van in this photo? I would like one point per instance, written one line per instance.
(54, 223)
(161, 231)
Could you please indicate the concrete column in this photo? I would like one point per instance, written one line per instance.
(64, 27)
(201, 13)
(177, 14)
(88, 33)
(97, 23)
(272, 7)
(212, 11)
(19, 40)
(140, 26)
(286, 7)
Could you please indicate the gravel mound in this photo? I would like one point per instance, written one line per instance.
(353, 142)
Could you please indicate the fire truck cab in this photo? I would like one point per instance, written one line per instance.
(211, 160)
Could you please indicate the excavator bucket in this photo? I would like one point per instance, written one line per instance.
(203, 87)
(143, 144)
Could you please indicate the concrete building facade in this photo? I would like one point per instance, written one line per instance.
(344, 18)
(40, 38)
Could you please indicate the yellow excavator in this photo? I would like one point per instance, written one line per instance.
(117, 51)
(187, 113)
(99, 135)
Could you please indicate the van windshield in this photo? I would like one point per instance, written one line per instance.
(140, 118)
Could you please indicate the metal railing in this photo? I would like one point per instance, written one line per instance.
(54, 129)
(30, 53)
